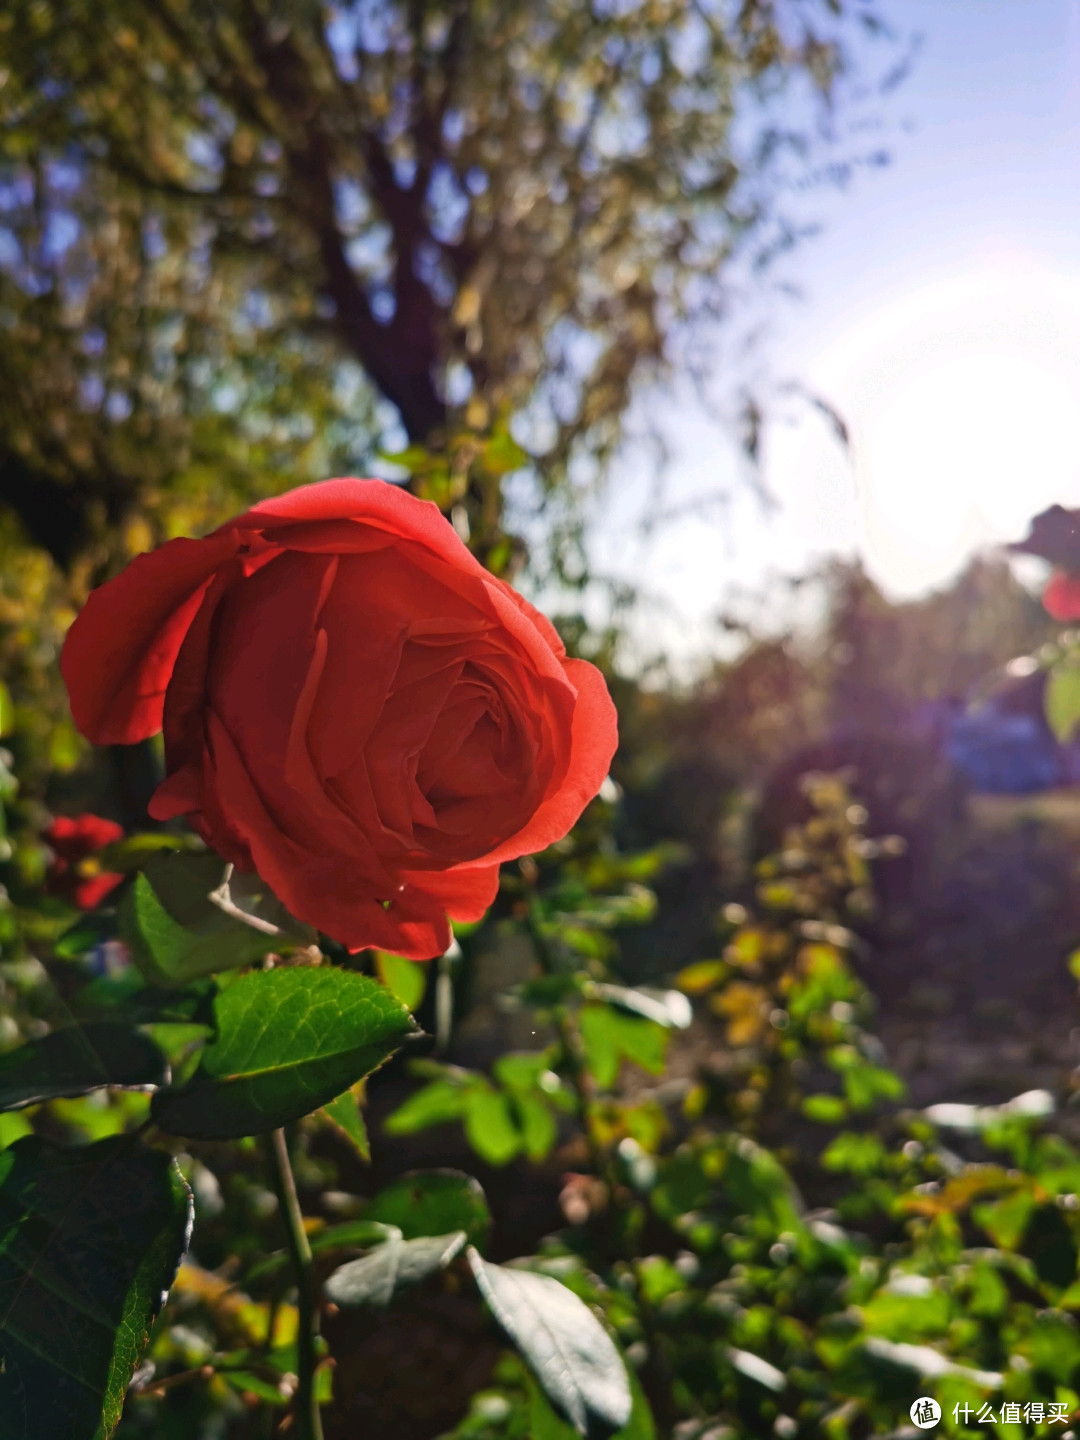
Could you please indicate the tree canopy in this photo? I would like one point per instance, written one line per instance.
(239, 242)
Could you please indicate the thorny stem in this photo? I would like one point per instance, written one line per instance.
(309, 1420)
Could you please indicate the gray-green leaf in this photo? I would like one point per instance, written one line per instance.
(569, 1351)
(78, 1059)
(90, 1239)
(288, 1041)
(374, 1279)
(176, 933)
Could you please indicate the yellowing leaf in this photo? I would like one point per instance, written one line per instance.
(746, 1008)
(701, 976)
(1061, 700)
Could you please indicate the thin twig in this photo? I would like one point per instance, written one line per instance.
(222, 898)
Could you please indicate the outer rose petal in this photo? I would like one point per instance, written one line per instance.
(465, 894)
(372, 502)
(120, 652)
(1061, 597)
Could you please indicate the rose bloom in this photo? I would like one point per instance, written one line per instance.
(73, 872)
(352, 706)
(1061, 598)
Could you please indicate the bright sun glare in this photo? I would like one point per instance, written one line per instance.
(964, 404)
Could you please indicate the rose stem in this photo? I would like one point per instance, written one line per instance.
(307, 1331)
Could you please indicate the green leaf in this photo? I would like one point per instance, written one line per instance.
(864, 1085)
(248, 1384)
(825, 1109)
(177, 933)
(13, 1126)
(522, 1069)
(128, 997)
(88, 931)
(1054, 1347)
(414, 457)
(610, 1037)
(489, 1125)
(351, 1235)
(374, 1279)
(1049, 1241)
(66, 747)
(345, 1114)
(568, 1350)
(1061, 700)
(433, 1202)
(7, 711)
(756, 1183)
(502, 454)
(405, 979)
(78, 1059)
(1005, 1220)
(288, 1041)
(433, 1104)
(133, 851)
(852, 1153)
(906, 1316)
(90, 1239)
(537, 1123)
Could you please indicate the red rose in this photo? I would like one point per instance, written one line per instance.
(1062, 596)
(74, 873)
(352, 706)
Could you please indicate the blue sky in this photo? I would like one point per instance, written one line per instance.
(940, 314)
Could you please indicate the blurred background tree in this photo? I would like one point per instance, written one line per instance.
(245, 245)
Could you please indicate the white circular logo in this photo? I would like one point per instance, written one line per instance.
(925, 1413)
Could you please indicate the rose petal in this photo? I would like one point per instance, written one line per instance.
(323, 889)
(465, 894)
(594, 739)
(119, 654)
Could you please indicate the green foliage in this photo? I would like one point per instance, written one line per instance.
(433, 1202)
(345, 1113)
(610, 1037)
(90, 1239)
(405, 979)
(79, 1059)
(761, 1239)
(286, 1042)
(500, 1121)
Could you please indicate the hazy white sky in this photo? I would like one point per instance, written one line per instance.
(941, 316)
